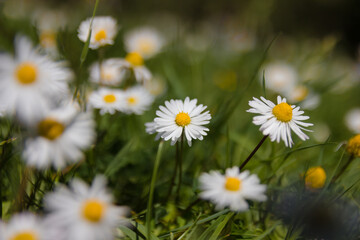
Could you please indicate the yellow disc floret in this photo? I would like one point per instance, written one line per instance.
(315, 177)
(26, 73)
(27, 235)
(109, 98)
(182, 119)
(50, 128)
(132, 100)
(146, 46)
(100, 35)
(93, 210)
(232, 184)
(135, 59)
(283, 112)
(353, 146)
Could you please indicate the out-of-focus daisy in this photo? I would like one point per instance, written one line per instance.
(321, 132)
(112, 72)
(353, 146)
(26, 226)
(107, 100)
(352, 120)
(145, 41)
(87, 213)
(59, 138)
(104, 30)
(135, 63)
(279, 77)
(231, 190)
(307, 98)
(156, 86)
(136, 100)
(30, 81)
(315, 177)
(182, 117)
(277, 121)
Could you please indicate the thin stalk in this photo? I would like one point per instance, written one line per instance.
(253, 152)
(350, 159)
(180, 165)
(152, 188)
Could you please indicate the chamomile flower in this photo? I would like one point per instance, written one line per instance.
(104, 30)
(134, 62)
(136, 100)
(231, 190)
(182, 117)
(280, 77)
(352, 120)
(112, 72)
(30, 82)
(145, 41)
(59, 138)
(277, 121)
(107, 100)
(315, 177)
(353, 146)
(85, 212)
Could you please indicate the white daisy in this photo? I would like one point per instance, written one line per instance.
(30, 81)
(107, 100)
(277, 121)
(279, 77)
(134, 62)
(87, 213)
(60, 138)
(146, 41)
(307, 98)
(104, 30)
(231, 190)
(112, 72)
(352, 120)
(136, 100)
(26, 226)
(182, 117)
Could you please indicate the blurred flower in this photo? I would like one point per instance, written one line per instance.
(60, 138)
(232, 189)
(315, 177)
(107, 100)
(277, 121)
(280, 77)
(136, 100)
(353, 146)
(302, 94)
(182, 117)
(156, 86)
(226, 80)
(86, 213)
(104, 30)
(239, 39)
(352, 120)
(134, 62)
(145, 41)
(30, 82)
(321, 132)
(112, 72)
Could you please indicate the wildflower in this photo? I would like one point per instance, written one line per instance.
(103, 32)
(353, 146)
(352, 120)
(280, 77)
(134, 62)
(315, 177)
(277, 121)
(107, 100)
(232, 189)
(136, 100)
(59, 138)
(182, 117)
(307, 98)
(112, 72)
(86, 213)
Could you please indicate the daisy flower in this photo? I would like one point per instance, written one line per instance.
(145, 41)
(353, 146)
(231, 190)
(30, 82)
(136, 100)
(277, 121)
(103, 31)
(182, 117)
(112, 72)
(107, 100)
(85, 212)
(280, 77)
(59, 138)
(352, 120)
(134, 62)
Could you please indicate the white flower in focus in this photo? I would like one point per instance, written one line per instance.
(182, 117)
(277, 121)
(30, 82)
(136, 100)
(145, 41)
(231, 190)
(60, 138)
(107, 100)
(279, 77)
(112, 72)
(86, 212)
(104, 30)
(352, 120)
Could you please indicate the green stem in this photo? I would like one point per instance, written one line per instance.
(351, 158)
(253, 152)
(152, 188)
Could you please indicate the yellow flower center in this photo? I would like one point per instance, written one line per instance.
(283, 112)
(106, 76)
(300, 93)
(50, 128)
(110, 98)
(315, 177)
(47, 39)
(353, 146)
(146, 46)
(26, 73)
(100, 35)
(232, 184)
(25, 236)
(182, 119)
(132, 100)
(135, 59)
(93, 210)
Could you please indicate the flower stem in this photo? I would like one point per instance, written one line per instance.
(351, 158)
(253, 152)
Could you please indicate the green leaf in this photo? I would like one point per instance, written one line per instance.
(221, 226)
